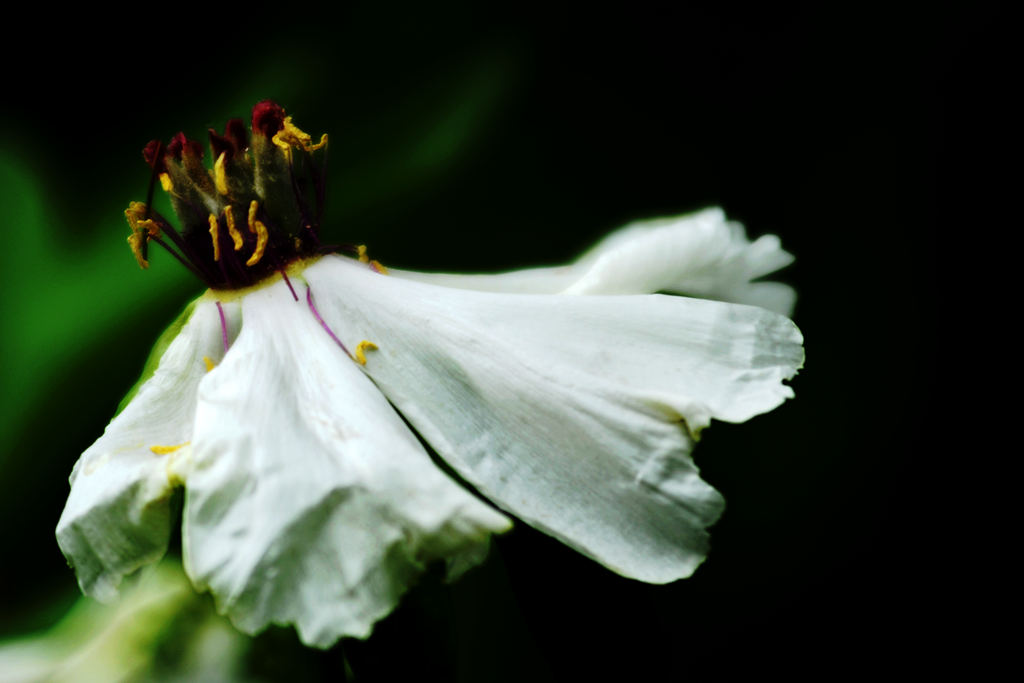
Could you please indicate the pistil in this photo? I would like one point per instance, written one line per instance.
(275, 173)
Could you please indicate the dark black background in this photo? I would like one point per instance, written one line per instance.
(822, 123)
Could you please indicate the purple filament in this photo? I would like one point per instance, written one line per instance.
(223, 327)
(181, 260)
(292, 289)
(316, 314)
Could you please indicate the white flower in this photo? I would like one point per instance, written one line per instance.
(308, 501)
(568, 397)
(701, 254)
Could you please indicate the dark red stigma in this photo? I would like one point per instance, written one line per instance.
(267, 118)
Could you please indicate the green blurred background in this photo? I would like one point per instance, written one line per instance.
(473, 140)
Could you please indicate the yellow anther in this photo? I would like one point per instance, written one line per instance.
(290, 136)
(215, 234)
(150, 226)
(361, 348)
(142, 228)
(135, 241)
(165, 182)
(261, 235)
(236, 236)
(253, 208)
(220, 178)
(373, 263)
(135, 213)
(210, 365)
(164, 450)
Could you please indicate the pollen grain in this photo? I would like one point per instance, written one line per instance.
(361, 349)
(164, 450)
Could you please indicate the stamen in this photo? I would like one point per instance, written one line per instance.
(279, 155)
(136, 212)
(319, 183)
(164, 450)
(361, 347)
(214, 233)
(376, 265)
(138, 244)
(138, 215)
(223, 326)
(299, 195)
(142, 228)
(220, 178)
(289, 283)
(150, 226)
(261, 235)
(157, 156)
(236, 236)
(312, 234)
(180, 259)
(323, 324)
(291, 136)
(210, 365)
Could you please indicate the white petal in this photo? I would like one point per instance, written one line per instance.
(567, 411)
(308, 500)
(700, 254)
(528, 281)
(117, 517)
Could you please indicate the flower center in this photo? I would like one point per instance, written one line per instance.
(255, 211)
